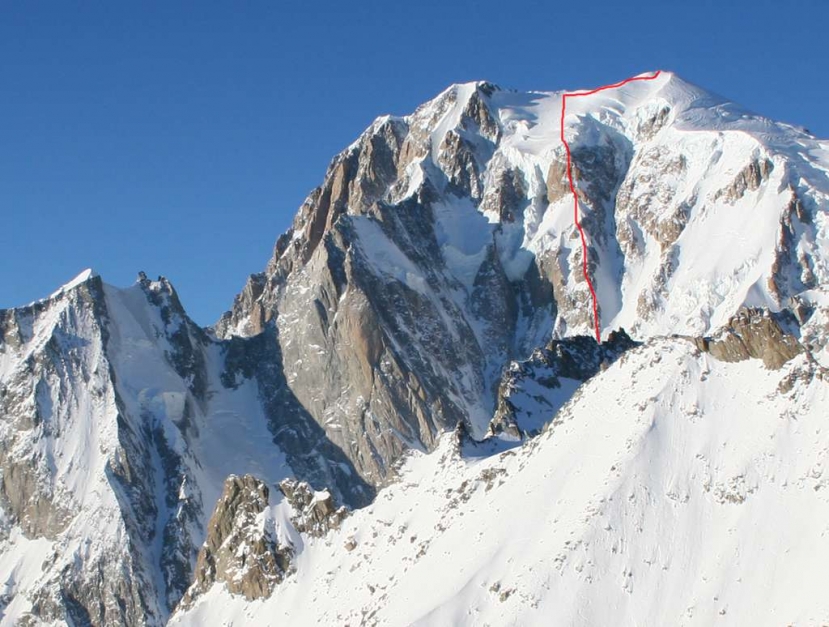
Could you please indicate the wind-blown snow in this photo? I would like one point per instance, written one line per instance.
(463, 235)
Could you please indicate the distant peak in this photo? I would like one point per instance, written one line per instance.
(462, 91)
(162, 283)
(486, 87)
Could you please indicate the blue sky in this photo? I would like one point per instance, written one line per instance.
(179, 138)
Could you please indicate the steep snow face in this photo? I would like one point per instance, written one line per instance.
(681, 192)
(117, 435)
(223, 431)
(449, 234)
(673, 489)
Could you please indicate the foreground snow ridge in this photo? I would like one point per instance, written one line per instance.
(666, 493)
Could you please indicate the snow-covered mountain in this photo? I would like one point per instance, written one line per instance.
(418, 327)
(121, 422)
(449, 236)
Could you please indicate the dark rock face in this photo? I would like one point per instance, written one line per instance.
(752, 333)
(311, 454)
(241, 550)
(576, 358)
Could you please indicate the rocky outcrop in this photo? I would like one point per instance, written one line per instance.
(507, 196)
(557, 185)
(793, 269)
(752, 333)
(749, 179)
(242, 550)
(314, 513)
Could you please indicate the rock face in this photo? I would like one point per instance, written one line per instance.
(811, 312)
(242, 550)
(532, 391)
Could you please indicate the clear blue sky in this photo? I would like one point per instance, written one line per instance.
(179, 138)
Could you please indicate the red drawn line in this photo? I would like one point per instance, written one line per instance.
(573, 187)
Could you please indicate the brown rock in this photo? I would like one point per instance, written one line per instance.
(241, 550)
(752, 333)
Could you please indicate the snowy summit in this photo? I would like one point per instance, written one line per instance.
(83, 277)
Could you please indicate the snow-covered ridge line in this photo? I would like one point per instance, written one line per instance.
(83, 277)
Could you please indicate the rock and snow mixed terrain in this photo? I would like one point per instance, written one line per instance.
(403, 419)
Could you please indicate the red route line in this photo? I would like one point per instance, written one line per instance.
(573, 187)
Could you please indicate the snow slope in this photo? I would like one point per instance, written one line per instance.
(683, 146)
(674, 489)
